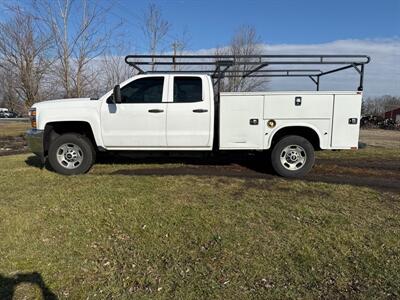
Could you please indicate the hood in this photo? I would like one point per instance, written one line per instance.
(67, 100)
(62, 102)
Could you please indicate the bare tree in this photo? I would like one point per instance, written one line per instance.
(24, 54)
(8, 89)
(77, 41)
(244, 42)
(155, 29)
(114, 70)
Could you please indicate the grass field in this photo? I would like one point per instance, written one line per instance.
(106, 235)
(12, 139)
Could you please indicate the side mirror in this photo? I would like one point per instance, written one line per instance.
(117, 94)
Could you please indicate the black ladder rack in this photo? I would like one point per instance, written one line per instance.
(223, 66)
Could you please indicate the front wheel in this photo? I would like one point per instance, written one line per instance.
(292, 156)
(71, 154)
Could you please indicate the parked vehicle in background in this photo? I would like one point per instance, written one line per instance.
(180, 111)
(12, 114)
(5, 113)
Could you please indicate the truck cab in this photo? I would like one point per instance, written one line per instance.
(159, 111)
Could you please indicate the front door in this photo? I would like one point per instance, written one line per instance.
(189, 113)
(140, 120)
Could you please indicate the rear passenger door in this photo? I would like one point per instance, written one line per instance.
(188, 113)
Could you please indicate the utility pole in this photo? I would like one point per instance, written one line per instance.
(176, 45)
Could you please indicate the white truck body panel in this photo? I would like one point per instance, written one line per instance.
(327, 113)
(320, 126)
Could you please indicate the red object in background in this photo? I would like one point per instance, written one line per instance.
(393, 114)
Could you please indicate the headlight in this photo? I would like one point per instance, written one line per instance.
(32, 116)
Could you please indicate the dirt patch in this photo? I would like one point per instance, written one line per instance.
(367, 175)
(374, 164)
(383, 184)
(13, 145)
(203, 170)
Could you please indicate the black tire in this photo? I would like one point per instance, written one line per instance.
(301, 148)
(84, 150)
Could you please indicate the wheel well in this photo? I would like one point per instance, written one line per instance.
(306, 132)
(55, 129)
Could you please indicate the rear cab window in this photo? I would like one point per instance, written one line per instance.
(188, 89)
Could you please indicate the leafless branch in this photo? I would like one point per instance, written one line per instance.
(155, 29)
(244, 42)
(77, 43)
(24, 48)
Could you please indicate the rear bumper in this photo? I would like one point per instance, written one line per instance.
(35, 141)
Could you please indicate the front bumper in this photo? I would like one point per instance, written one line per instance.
(35, 141)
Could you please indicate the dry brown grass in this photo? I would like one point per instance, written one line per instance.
(13, 128)
(380, 138)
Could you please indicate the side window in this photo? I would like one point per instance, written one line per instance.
(188, 89)
(143, 90)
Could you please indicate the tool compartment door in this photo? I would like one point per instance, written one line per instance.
(298, 106)
(346, 121)
(241, 121)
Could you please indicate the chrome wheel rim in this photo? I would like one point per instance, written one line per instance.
(293, 157)
(70, 156)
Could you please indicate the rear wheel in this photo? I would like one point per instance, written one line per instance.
(292, 156)
(71, 154)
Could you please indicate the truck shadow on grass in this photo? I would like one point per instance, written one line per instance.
(34, 161)
(8, 285)
(250, 167)
(187, 165)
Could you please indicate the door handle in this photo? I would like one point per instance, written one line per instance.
(199, 110)
(156, 110)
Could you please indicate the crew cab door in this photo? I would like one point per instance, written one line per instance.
(189, 112)
(140, 120)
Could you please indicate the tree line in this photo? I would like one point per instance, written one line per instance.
(377, 106)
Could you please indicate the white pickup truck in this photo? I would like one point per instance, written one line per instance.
(178, 111)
